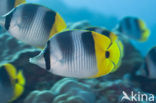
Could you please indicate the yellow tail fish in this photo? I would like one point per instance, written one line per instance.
(33, 24)
(11, 83)
(79, 54)
(133, 28)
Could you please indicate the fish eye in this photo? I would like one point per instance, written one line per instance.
(16, 80)
(107, 54)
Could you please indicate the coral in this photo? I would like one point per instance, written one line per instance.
(12, 48)
(39, 97)
(70, 90)
(66, 91)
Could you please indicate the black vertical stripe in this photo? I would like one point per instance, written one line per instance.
(28, 14)
(137, 28)
(66, 44)
(47, 56)
(106, 33)
(49, 20)
(136, 23)
(8, 19)
(127, 24)
(4, 77)
(88, 42)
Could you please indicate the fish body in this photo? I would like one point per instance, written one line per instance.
(33, 24)
(11, 83)
(8, 5)
(150, 64)
(79, 54)
(133, 28)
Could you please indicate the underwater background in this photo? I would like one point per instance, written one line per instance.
(107, 13)
(44, 87)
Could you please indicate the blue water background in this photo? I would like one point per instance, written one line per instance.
(107, 13)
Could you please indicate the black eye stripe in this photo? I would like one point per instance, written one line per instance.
(107, 54)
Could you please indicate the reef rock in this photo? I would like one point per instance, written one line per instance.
(85, 91)
(66, 91)
(11, 48)
(39, 97)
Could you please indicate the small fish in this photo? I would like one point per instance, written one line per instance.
(79, 54)
(134, 28)
(149, 68)
(33, 24)
(8, 5)
(113, 38)
(11, 83)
